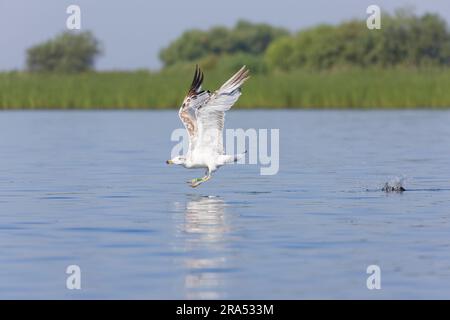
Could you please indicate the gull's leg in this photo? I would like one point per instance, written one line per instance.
(198, 181)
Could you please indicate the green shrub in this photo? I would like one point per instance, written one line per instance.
(67, 53)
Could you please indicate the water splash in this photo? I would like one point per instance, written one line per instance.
(394, 185)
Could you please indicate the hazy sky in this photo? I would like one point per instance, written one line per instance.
(133, 31)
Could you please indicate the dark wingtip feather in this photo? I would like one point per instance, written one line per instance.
(196, 81)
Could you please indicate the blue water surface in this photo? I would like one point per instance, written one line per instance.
(92, 189)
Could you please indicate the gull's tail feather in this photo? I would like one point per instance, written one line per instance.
(231, 158)
(239, 156)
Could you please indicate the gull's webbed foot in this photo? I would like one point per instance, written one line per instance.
(195, 182)
(198, 181)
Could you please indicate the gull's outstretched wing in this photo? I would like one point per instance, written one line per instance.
(194, 99)
(211, 115)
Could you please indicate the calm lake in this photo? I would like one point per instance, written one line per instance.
(92, 189)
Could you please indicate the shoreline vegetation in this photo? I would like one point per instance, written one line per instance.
(352, 88)
(405, 64)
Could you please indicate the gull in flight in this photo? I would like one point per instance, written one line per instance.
(203, 115)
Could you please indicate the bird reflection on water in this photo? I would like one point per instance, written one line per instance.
(205, 230)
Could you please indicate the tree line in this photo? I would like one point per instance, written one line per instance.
(405, 39)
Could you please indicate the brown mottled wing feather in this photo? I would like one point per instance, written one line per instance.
(193, 100)
(188, 121)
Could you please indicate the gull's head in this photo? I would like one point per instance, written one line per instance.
(177, 160)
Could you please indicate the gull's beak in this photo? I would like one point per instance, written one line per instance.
(169, 162)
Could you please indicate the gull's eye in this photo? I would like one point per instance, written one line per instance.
(194, 97)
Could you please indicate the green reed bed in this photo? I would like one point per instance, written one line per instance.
(350, 88)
